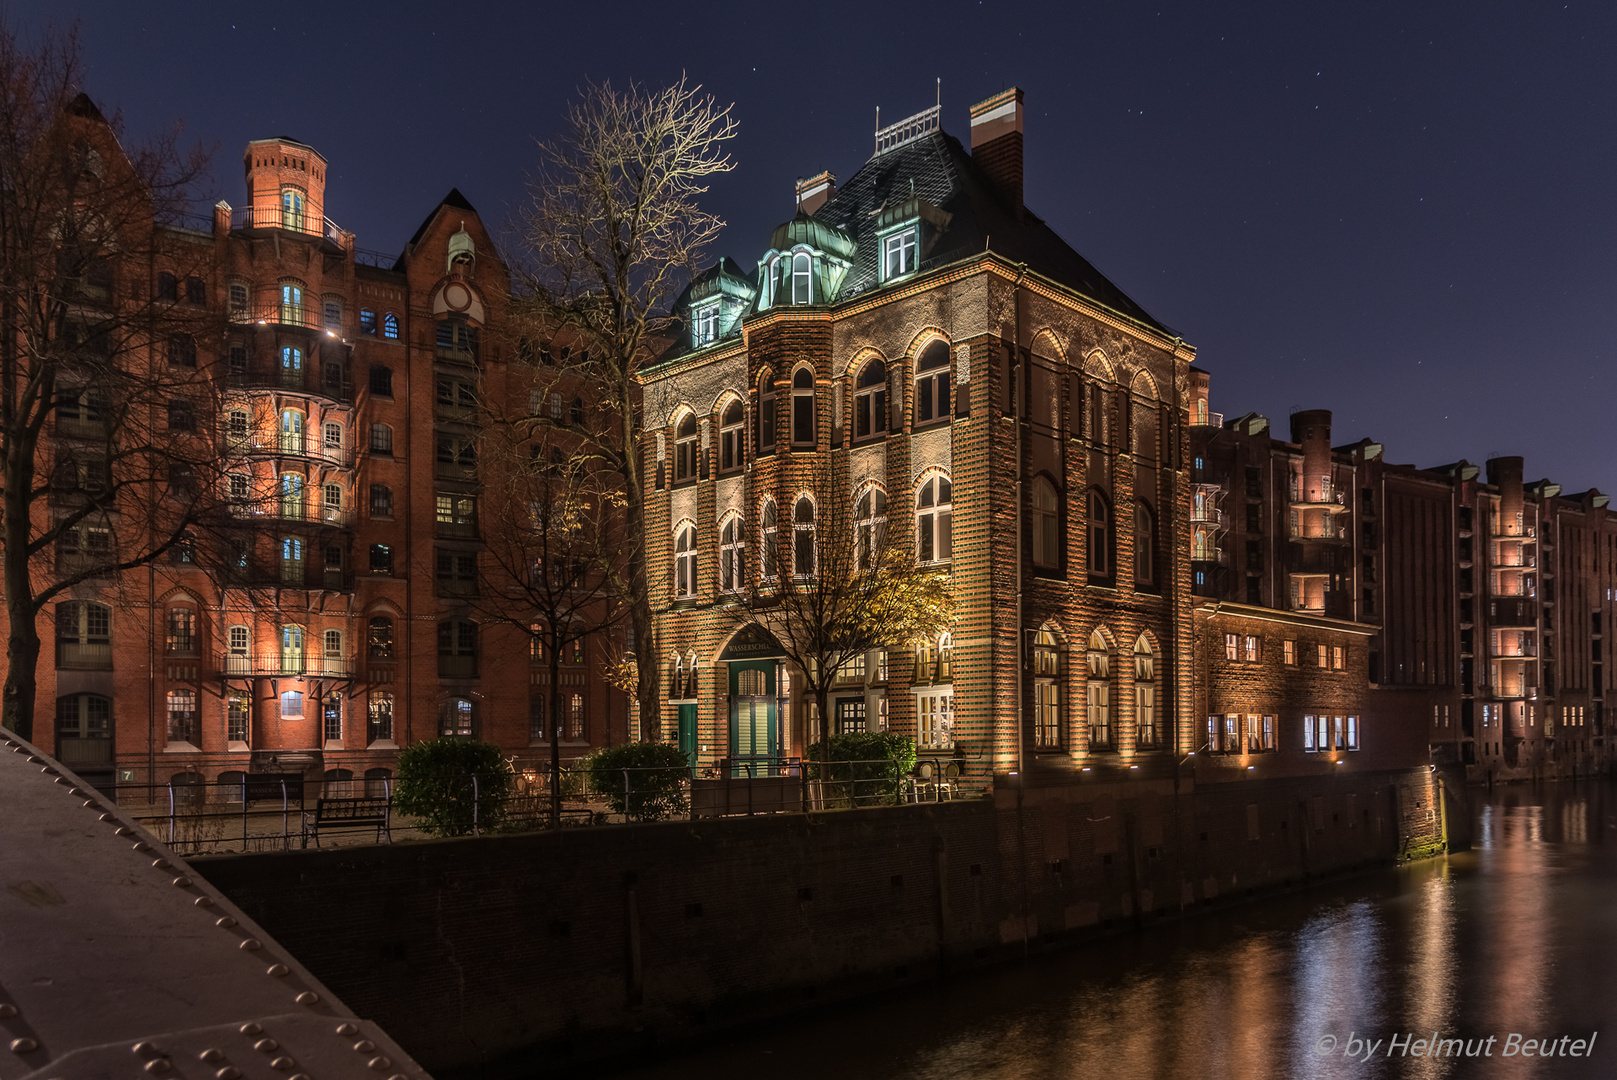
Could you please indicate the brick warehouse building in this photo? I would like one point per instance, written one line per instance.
(1465, 608)
(341, 620)
(922, 332)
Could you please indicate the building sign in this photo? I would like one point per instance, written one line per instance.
(752, 643)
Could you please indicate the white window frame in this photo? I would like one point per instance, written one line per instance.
(934, 521)
(904, 245)
(685, 561)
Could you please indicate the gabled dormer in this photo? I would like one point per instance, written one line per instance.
(806, 263)
(714, 303)
(907, 233)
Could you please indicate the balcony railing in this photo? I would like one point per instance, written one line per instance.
(79, 751)
(1206, 514)
(277, 217)
(1213, 419)
(1210, 555)
(274, 664)
(312, 447)
(304, 380)
(1321, 493)
(1329, 533)
(84, 656)
(457, 667)
(310, 512)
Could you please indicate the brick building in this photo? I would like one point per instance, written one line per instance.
(979, 389)
(338, 617)
(1470, 604)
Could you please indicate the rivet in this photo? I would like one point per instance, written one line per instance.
(398, 1076)
(380, 1063)
(161, 864)
(182, 881)
(364, 1046)
(75, 791)
(123, 830)
(266, 1046)
(276, 969)
(308, 997)
(252, 944)
(224, 921)
(7, 1011)
(33, 759)
(229, 1072)
(23, 1046)
(64, 781)
(204, 901)
(105, 817)
(141, 845)
(250, 1028)
(158, 1066)
(145, 1049)
(347, 1029)
(91, 803)
(282, 1063)
(212, 1055)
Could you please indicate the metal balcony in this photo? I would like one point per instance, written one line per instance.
(1206, 515)
(306, 512)
(305, 380)
(1328, 497)
(311, 447)
(284, 664)
(277, 217)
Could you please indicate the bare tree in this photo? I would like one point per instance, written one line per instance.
(614, 231)
(103, 405)
(837, 586)
(552, 528)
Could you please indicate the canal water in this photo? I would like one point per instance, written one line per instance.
(1515, 940)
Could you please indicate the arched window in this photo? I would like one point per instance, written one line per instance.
(238, 710)
(331, 717)
(676, 679)
(291, 561)
(1046, 691)
(870, 401)
(182, 717)
(292, 367)
(925, 673)
(292, 209)
(766, 412)
(331, 641)
(1145, 693)
(292, 304)
(769, 550)
(685, 448)
(803, 407)
(457, 718)
(1046, 525)
(1099, 690)
(870, 526)
(83, 635)
(932, 384)
(802, 281)
(379, 717)
(390, 326)
(933, 520)
(1145, 548)
(1100, 535)
(732, 453)
(945, 670)
(685, 562)
(291, 431)
(332, 442)
(181, 639)
(379, 638)
(732, 554)
(803, 537)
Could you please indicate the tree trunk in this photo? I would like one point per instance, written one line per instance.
(554, 722)
(645, 639)
(22, 641)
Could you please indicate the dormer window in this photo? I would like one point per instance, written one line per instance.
(898, 255)
(705, 325)
(791, 279)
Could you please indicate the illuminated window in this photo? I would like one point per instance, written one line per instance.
(1145, 693)
(1288, 653)
(870, 401)
(732, 449)
(1251, 650)
(768, 552)
(1046, 692)
(898, 254)
(705, 325)
(685, 448)
(457, 718)
(1099, 692)
(932, 384)
(732, 555)
(390, 326)
(934, 513)
(1338, 657)
(685, 562)
(870, 526)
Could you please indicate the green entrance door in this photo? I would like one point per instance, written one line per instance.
(754, 718)
(687, 732)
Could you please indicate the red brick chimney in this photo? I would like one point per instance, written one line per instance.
(996, 144)
(815, 192)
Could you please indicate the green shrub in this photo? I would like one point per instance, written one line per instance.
(655, 782)
(435, 785)
(863, 768)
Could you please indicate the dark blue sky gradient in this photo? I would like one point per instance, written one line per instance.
(1401, 212)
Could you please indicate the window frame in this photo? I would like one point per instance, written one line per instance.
(934, 521)
(934, 390)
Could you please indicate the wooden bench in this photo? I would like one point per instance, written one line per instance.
(345, 814)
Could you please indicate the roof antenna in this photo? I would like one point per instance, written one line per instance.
(878, 130)
(940, 92)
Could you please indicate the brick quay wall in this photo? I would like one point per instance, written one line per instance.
(528, 954)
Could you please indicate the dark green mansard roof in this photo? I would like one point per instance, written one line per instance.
(936, 169)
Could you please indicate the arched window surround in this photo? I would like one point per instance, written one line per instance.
(1147, 718)
(805, 515)
(934, 518)
(805, 406)
(870, 417)
(932, 383)
(685, 582)
(1045, 518)
(1100, 537)
(766, 412)
(686, 431)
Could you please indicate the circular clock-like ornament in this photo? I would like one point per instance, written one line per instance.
(457, 296)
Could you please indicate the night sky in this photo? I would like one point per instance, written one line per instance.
(1401, 212)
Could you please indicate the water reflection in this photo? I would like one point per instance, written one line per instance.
(1518, 936)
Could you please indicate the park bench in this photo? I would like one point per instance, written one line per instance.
(334, 815)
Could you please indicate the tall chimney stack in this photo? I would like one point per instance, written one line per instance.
(996, 144)
(815, 192)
